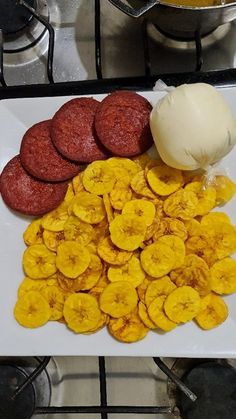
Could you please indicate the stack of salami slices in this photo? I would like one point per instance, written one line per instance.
(82, 130)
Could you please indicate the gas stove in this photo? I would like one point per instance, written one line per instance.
(84, 40)
(69, 387)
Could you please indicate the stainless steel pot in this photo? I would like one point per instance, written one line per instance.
(179, 21)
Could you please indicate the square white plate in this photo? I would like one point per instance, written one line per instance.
(16, 115)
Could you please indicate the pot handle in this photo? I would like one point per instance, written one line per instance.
(131, 11)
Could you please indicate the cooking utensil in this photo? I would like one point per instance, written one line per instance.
(180, 22)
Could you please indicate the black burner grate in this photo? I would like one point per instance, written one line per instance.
(214, 383)
(14, 17)
(20, 397)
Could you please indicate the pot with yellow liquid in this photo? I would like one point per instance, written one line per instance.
(181, 18)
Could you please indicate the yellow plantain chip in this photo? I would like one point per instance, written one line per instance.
(178, 247)
(101, 231)
(213, 312)
(142, 208)
(89, 207)
(81, 232)
(92, 248)
(157, 288)
(29, 284)
(222, 238)
(182, 304)
(157, 259)
(152, 229)
(104, 320)
(195, 273)
(164, 180)
(89, 278)
(118, 299)
(193, 227)
(223, 276)
(202, 246)
(32, 310)
(52, 280)
(142, 288)
(99, 177)
(70, 206)
(206, 197)
(130, 271)
(193, 175)
(111, 253)
(120, 162)
(100, 286)
(39, 262)
(34, 233)
(158, 316)
(170, 226)
(120, 194)
(55, 298)
(72, 258)
(215, 217)
(133, 246)
(127, 231)
(181, 204)
(78, 184)
(69, 193)
(67, 285)
(225, 189)
(142, 160)
(52, 239)
(55, 220)
(152, 163)
(81, 312)
(140, 186)
(144, 316)
(108, 208)
(128, 328)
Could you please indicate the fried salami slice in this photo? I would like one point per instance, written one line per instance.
(41, 159)
(72, 131)
(27, 195)
(122, 123)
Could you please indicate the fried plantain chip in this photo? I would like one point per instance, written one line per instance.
(182, 304)
(118, 299)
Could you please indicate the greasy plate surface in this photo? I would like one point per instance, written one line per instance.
(189, 340)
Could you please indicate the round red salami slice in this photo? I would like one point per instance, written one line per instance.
(72, 131)
(41, 159)
(27, 195)
(122, 123)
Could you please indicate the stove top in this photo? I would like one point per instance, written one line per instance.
(32, 387)
(122, 40)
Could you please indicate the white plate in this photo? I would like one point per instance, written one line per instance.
(16, 115)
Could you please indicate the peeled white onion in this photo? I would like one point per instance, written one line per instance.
(193, 127)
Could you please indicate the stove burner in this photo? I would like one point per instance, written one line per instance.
(168, 41)
(14, 17)
(23, 406)
(215, 386)
(28, 36)
(13, 373)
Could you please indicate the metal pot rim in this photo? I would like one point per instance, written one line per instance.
(179, 6)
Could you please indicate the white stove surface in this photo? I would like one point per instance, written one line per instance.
(74, 57)
(130, 381)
